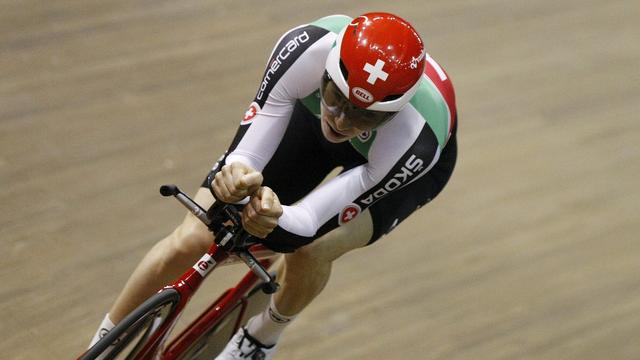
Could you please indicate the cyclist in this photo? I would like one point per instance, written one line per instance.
(361, 94)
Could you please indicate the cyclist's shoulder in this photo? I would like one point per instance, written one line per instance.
(298, 58)
(332, 23)
(434, 102)
(309, 41)
(316, 29)
(436, 84)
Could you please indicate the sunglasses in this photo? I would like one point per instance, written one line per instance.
(337, 104)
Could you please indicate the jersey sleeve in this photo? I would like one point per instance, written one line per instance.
(293, 71)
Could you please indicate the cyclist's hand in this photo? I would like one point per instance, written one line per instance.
(235, 181)
(260, 215)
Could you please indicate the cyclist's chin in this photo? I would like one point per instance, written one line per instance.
(332, 135)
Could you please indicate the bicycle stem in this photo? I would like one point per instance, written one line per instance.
(225, 236)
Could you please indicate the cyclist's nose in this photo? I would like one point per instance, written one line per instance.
(342, 123)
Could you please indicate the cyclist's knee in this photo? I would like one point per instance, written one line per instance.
(309, 253)
(190, 239)
(318, 252)
(306, 264)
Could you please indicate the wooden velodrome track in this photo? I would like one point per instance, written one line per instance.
(531, 252)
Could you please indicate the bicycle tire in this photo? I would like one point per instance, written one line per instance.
(153, 311)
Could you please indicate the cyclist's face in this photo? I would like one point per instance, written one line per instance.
(341, 120)
(337, 128)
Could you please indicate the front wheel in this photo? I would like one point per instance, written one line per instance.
(132, 333)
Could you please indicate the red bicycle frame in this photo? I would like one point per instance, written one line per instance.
(221, 307)
(186, 286)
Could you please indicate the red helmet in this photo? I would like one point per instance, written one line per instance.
(377, 62)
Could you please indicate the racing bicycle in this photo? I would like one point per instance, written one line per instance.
(143, 334)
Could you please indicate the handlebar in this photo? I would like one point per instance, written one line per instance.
(224, 221)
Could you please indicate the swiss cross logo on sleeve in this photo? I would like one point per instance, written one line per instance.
(349, 213)
(250, 113)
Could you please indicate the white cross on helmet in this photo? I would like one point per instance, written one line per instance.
(375, 72)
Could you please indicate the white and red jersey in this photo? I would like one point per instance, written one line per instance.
(398, 153)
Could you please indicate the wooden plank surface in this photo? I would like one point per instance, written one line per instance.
(531, 252)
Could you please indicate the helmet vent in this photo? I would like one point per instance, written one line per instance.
(391, 97)
(344, 70)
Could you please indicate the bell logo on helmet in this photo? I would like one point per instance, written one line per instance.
(362, 94)
(375, 72)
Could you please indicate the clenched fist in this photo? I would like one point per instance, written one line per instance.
(260, 215)
(235, 181)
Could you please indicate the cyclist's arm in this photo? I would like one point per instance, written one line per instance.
(404, 150)
(294, 71)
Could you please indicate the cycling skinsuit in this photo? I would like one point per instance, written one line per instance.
(392, 170)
